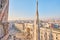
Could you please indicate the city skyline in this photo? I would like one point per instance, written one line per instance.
(36, 29)
(27, 9)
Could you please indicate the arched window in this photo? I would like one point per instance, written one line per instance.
(45, 35)
(41, 36)
(57, 37)
(50, 36)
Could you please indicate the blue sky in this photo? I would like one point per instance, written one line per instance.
(27, 8)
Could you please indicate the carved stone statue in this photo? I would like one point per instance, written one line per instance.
(28, 34)
(2, 3)
(1, 31)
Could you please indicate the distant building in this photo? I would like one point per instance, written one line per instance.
(49, 34)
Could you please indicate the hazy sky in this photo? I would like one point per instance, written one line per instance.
(27, 8)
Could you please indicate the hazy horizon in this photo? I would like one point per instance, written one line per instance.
(27, 9)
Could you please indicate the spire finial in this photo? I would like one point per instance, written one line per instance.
(37, 8)
(37, 4)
